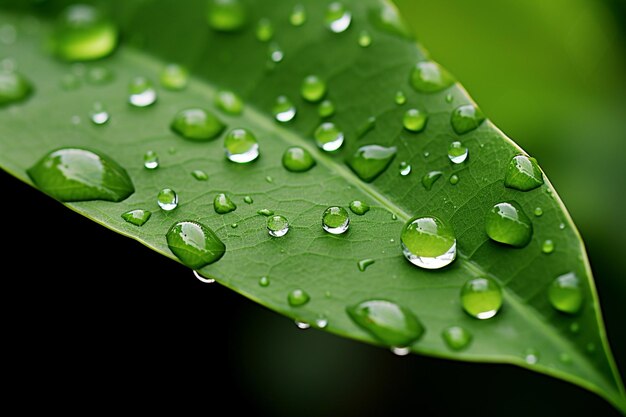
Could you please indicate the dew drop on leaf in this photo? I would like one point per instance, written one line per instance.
(297, 159)
(265, 212)
(457, 152)
(313, 88)
(264, 281)
(429, 179)
(223, 204)
(369, 161)
(137, 217)
(297, 298)
(466, 118)
(523, 173)
(326, 109)
(197, 124)
(167, 199)
(195, 244)
(414, 120)
(229, 102)
(14, 87)
(364, 263)
(328, 137)
(481, 298)
(428, 242)
(335, 220)
(298, 15)
(337, 17)
(141, 92)
(531, 356)
(264, 30)
(507, 223)
(277, 225)
(359, 207)
(456, 337)
(199, 175)
(283, 110)
(365, 39)
(248, 200)
(150, 160)
(226, 15)
(565, 293)
(174, 77)
(547, 246)
(400, 98)
(241, 146)
(429, 77)
(405, 168)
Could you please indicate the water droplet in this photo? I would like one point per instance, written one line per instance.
(328, 137)
(523, 174)
(8, 34)
(264, 30)
(203, 279)
(466, 118)
(226, 15)
(248, 200)
(429, 77)
(265, 212)
(234, 225)
(359, 207)
(13, 87)
(400, 98)
(99, 115)
(241, 146)
(531, 356)
(364, 263)
(481, 298)
(562, 226)
(321, 322)
(283, 110)
(302, 325)
(297, 298)
(565, 358)
(335, 220)
(456, 337)
(454, 179)
(297, 159)
(137, 217)
(365, 39)
(194, 244)
(313, 88)
(369, 161)
(428, 242)
(565, 294)
(326, 109)
(150, 160)
(405, 168)
(457, 152)
(449, 98)
(387, 18)
(174, 77)
(99, 75)
(507, 223)
(75, 174)
(223, 204)
(197, 125)
(548, 246)
(167, 199)
(141, 92)
(414, 120)
(538, 211)
(200, 175)
(337, 17)
(264, 281)
(426, 154)
(69, 82)
(429, 179)
(298, 15)
(277, 225)
(393, 217)
(83, 33)
(228, 102)
(388, 322)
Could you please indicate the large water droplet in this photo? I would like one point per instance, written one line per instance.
(335, 220)
(466, 118)
(414, 120)
(167, 199)
(428, 242)
(13, 87)
(337, 17)
(297, 159)
(326, 109)
(365, 39)
(313, 88)
(405, 168)
(523, 174)
(429, 77)
(141, 92)
(75, 174)
(174, 77)
(99, 115)
(229, 102)
(457, 152)
(364, 263)
(369, 161)
(359, 207)
(284, 110)
(298, 15)
(241, 146)
(481, 298)
(264, 30)
(328, 137)
(507, 223)
(297, 298)
(151, 160)
(83, 33)
(429, 179)
(223, 204)
(195, 244)
(277, 226)
(388, 322)
(137, 217)
(226, 15)
(456, 337)
(197, 124)
(565, 293)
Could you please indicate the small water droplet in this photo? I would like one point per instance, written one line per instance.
(141, 92)
(389, 323)
(298, 15)
(14, 87)
(150, 160)
(234, 225)
(538, 211)
(174, 77)
(265, 212)
(466, 118)
(523, 174)
(481, 298)
(137, 217)
(337, 17)
(222, 204)
(428, 242)
(99, 75)
(335, 220)
(326, 109)
(429, 77)
(297, 159)
(387, 18)
(321, 322)
(277, 225)
(414, 120)
(302, 325)
(229, 102)
(264, 30)
(328, 137)
(507, 223)
(264, 281)
(366, 127)
(457, 152)
(405, 168)
(456, 337)
(531, 356)
(548, 246)
(364, 263)
(241, 146)
(75, 174)
(313, 88)
(297, 298)
(203, 279)
(284, 110)
(194, 244)
(562, 226)
(449, 98)
(400, 351)
(365, 39)
(400, 98)
(269, 179)
(359, 207)
(369, 161)
(454, 179)
(275, 52)
(429, 179)
(226, 15)
(83, 33)
(565, 293)
(565, 358)
(393, 217)
(167, 199)
(99, 115)
(248, 200)
(200, 175)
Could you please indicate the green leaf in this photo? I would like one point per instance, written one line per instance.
(335, 272)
